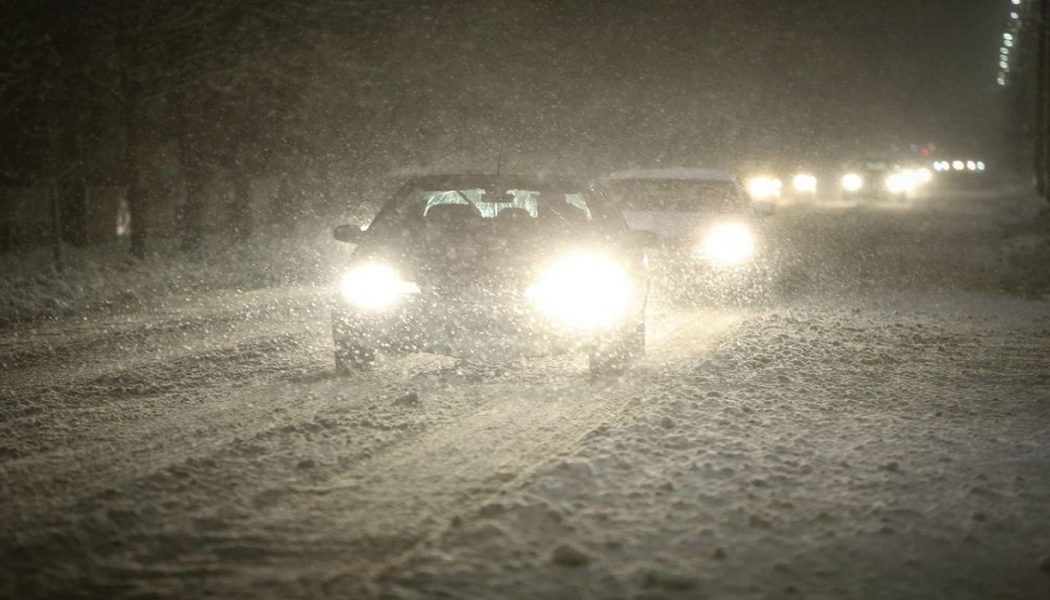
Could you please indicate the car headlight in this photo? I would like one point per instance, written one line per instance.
(899, 183)
(804, 183)
(374, 286)
(728, 244)
(764, 188)
(582, 289)
(851, 182)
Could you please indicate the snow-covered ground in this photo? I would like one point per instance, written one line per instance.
(879, 428)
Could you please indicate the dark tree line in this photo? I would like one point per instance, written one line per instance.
(159, 97)
(115, 92)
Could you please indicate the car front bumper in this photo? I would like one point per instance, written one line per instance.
(485, 325)
(677, 264)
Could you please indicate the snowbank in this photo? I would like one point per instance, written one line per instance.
(109, 278)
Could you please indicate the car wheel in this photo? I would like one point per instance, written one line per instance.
(349, 359)
(614, 358)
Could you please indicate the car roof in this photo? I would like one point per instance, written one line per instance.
(681, 173)
(463, 180)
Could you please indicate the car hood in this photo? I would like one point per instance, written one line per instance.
(675, 224)
(488, 261)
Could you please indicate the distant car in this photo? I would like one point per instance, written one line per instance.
(705, 219)
(470, 265)
(960, 174)
(875, 180)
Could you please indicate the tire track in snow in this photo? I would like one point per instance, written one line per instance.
(31, 353)
(120, 452)
(387, 505)
(376, 510)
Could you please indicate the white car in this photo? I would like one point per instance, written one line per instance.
(705, 219)
(674, 203)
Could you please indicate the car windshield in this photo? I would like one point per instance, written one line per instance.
(512, 207)
(679, 195)
(496, 203)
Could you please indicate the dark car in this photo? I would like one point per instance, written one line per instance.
(476, 265)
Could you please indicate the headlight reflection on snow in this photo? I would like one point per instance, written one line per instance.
(374, 286)
(582, 289)
(728, 244)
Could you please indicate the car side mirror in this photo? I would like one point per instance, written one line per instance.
(350, 234)
(642, 238)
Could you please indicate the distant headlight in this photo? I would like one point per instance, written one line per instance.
(764, 188)
(728, 244)
(582, 289)
(804, 183)
(374, 286)
(901, 183)
(851, 182)
(908, 180)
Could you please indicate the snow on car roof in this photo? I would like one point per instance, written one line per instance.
(672, 173)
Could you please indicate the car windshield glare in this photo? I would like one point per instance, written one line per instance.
(496, 206)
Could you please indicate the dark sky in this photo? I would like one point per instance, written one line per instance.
(817, 76)
(934, 60)
(923, 69)
(606, 82)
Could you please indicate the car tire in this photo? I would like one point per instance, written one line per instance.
(614, 358)
(350, 359)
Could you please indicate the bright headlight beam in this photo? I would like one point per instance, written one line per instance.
(583, 289)
(804, 183)
(901, 183)
(852, 182)
(374, 286)
(764, 188)
(728, 244)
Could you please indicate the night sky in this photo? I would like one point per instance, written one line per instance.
(604, 83)
(894, 69)
(758, 81)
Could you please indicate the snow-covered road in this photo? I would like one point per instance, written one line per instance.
(881, 430)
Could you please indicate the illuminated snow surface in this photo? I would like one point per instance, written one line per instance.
(876, 426)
